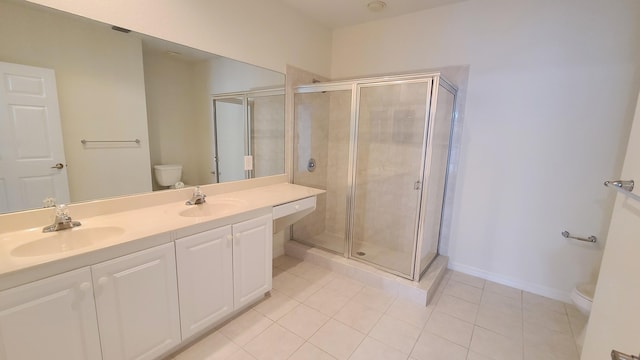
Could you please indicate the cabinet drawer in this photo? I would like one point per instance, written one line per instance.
(293, 207)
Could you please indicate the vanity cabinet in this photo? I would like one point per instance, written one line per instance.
(137, 304)
(222, 270)
(53, 318)
(252, 259)
(205, 278)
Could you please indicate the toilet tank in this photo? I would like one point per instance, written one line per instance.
(167, 175)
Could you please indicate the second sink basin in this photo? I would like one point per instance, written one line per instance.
(213, 207)
(65, 240)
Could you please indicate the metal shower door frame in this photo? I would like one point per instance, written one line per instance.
(428, 81)
(433, 80)
(246, 116)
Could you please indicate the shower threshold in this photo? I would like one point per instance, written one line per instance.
(420, 292)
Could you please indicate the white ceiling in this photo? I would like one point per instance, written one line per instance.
(340, 13)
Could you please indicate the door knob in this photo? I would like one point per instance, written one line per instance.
(58, 166)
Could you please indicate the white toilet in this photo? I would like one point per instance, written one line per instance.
(168, 175)
(582, 297)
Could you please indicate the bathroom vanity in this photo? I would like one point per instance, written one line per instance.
(139, 283)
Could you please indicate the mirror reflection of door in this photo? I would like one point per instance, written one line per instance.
(229, 134)
(32, 162)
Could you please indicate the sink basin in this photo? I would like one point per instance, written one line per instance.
(66, 240)
(213, 207)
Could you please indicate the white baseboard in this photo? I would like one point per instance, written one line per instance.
(518, 284)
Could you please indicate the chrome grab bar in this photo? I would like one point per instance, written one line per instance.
(626, 185)
(84, 142)
(591, 239)
(617, 355)
(623, 186)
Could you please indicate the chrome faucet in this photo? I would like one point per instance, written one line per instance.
(63, 220)
(197, 198)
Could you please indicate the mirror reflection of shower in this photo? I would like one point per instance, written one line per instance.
(248, 135)
(381, 151)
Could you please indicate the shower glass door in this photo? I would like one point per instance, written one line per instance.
(321, 160)
(389, 167)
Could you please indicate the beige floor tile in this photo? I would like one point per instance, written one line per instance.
(295, 286)
(303, 321)
(496, 320)
(475, 356)
(374, 298)
(245, 327)
(213, 347)
(283, 279)
(274, 343)
(468, 279)
(457, 307)
(450, 328)
(493, 345)
(337, 339)
(276, 271)
(542, 343)
(502, 304)
(345, 285)
(285, 262)
(411, 312)
(358, 316)
(276, 306)
(577, 320)
(548, 319)
(432, 347)
(312, 273)
(536, 302)
(372, 349)
(240, 355)
(327, 301)
(309, 351)
(463, 291)
(396, 333)
(503, 290)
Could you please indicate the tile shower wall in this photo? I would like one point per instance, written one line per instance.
(322, 133)
(268, 135)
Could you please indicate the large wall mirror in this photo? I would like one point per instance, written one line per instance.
(88, 111)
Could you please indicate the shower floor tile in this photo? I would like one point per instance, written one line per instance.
(508, 323)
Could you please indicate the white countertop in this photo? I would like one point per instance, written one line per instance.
(138, 229)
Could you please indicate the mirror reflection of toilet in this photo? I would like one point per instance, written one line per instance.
(168, 176)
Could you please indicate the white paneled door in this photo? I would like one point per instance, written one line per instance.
(32, 162)
(615, 316)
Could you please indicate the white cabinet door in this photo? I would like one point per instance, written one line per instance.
(137, 304)
(205, 279)
(252, 249)
(54, 318)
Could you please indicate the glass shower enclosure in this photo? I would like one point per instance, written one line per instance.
(380, 148)
(248, 135)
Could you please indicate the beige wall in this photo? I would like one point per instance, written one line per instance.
(552, 87)
(264, 33)
(172, 101)
(101, 96)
